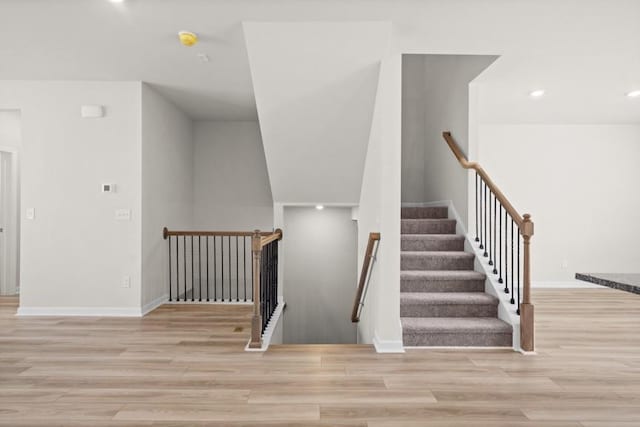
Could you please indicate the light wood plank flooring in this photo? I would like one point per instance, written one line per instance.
(185, 366)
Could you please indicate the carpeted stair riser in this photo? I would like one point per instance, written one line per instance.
(428, 226)
(436, 261)
(476, 332)
(457, 340)
(431, 242)
(412, 284)
(432, 212)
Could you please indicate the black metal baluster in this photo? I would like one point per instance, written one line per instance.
(244, 265)
(237, 273)
(480, 200)
(485, 254)
(222, 266)
(193, 296)
(512, 300)
(518, 287)
(170, 275)
(251, 262)
(229, 259)
(477, 238)
(199, 269)
(207, 243)
(184, 254)
(177, 270)
(491, 242)
(495, 235)
(506, 254)
(215, 270)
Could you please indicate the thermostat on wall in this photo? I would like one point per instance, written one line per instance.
(108, 188)
(92, 111)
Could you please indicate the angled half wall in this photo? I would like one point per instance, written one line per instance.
(315, 85)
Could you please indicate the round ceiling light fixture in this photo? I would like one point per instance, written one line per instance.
(536, 93)
(319, 207)
(187, 38)
(634, 94)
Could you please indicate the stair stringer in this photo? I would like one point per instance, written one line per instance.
(506, 311)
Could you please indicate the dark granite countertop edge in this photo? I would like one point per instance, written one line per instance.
(608, 283)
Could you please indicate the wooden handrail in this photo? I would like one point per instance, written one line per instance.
(525, 226)
(268, 238)
(166, 233)
(368, 256)
(462, 159)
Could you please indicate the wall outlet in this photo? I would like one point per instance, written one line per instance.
(564, 264)
(31, 213)
(126, 282)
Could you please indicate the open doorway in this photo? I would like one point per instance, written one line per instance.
(10, 142)
(320, 275)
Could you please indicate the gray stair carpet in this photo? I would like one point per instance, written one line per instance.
(442, 300)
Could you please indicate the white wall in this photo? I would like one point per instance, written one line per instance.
(231, 183)
(442, 82)
(315, 87)
(579, 183)
(74, 254)
(379, 211)
(167, 187)
(10, 142)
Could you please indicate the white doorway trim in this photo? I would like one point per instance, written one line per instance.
(10, 204)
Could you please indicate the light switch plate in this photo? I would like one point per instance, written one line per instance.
(126, 282)
(123, 214)
(31, 213)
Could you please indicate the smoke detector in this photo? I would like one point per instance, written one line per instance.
(187, 38)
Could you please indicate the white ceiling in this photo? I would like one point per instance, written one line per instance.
(565, 46)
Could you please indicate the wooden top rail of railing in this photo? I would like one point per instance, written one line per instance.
(368, 256)
(462, 159)
(166, 233)
(270, 237)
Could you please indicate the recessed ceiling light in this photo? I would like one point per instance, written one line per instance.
(319, 207)
(634, 94)
(537, 93)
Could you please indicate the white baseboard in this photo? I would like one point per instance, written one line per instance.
(149, 307)
(80, 311)
(388, 346)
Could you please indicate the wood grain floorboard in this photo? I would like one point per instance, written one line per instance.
(184, 365)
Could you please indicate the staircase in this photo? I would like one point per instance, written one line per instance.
(442, 300)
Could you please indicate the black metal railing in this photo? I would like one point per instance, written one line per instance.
(210, 266)
(268, 282)
(499, 240)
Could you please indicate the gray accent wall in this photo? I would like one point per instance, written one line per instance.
(232, 190)
(435, 98)
(320, 277)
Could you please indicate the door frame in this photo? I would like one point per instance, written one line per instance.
(10, 282)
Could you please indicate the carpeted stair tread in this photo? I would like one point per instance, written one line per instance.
(428, 226)
(460, 325)
(430, 212)
(436, 260)
(448, 298)
(431, 242)
(442, 275)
